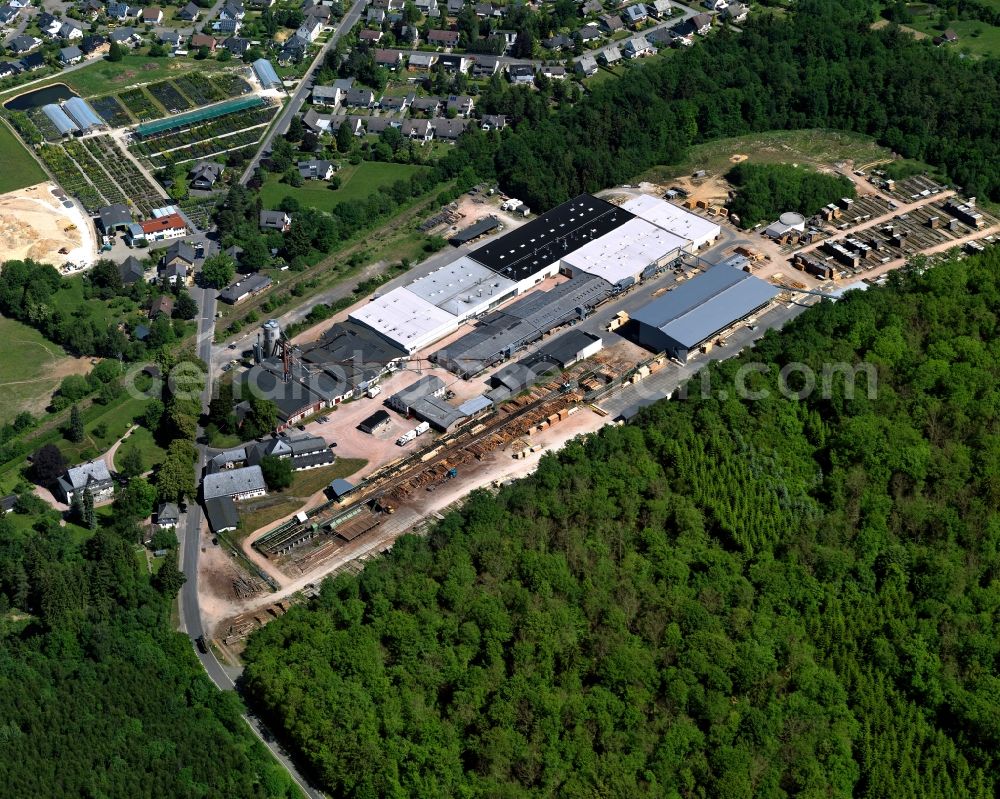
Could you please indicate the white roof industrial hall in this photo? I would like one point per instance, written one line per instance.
(625, 252)
(406, 320)
(674, 219)
(463, 288)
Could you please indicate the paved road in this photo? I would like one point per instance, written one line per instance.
(293, 106)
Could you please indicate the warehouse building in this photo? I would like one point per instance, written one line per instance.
(437, 413)
(427, 386)
(236, 484)
(406, 320)
(301, 393)
(354, 355)
(464, 288)
(534, 251)
(699, 309)
(626, 254)
(558, 354)
(500, 334)
(379, 420)
(698, 231)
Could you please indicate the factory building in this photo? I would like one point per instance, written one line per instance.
(427, 386)
(534, 251)
(626, 254)
(406, 320)
(558, 354)
(463, 288)
(698, 231)
(500, 334)
(700, 308)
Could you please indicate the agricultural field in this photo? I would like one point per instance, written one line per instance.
(139, 104)
(140, 192)
(106, 76)
(167, 95)
(27, 382)
(200, 90)
(974, 38)
(70, 177)
(356, 183)
(111, 111)
(91, 166)
(19, 168)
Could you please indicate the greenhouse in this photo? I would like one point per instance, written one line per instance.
(63, 124)
(83, 115)
(194, 117)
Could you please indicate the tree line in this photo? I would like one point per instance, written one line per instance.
(764, 191)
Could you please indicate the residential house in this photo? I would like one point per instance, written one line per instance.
(131, 271)
(331, 96)
(419, 129)
(553, 72)
(263, 5)
(636, 15)
(700, 24)
(611, 22)
(70, 55)
(558, 42)
(485, 66)
(738, 12)
(316, 122)
(588, 34)
(126, 37)
(48, 23)
(659, 8)
(462, 104)
(7, 16)
(948, 37)
(396, 104)
(70, 30)
(390, 59)
(370, 36)
(151, 16)
(359, 98)
(236, 45)
(231, 26)
(167, 516)
(448, 129)
(493, 122)
(716, 5)
(120, 11)
(171, 226)
(591, 8)
(19, 4)
(429, 8)
(310, 29)
(162, 306)
(354, 123)
(305, 452)
(244, 288)
(610, 55)
(453, 64)
(421, 62)
(190, 13)
(320, 14)
(521, 74)
(90, 9)
(508, 37)
(586, 66)
(376, 125)
(376, 16)
(170, 39)
(94, 43)
(292, 51)
(236, 484)
(455, 6)
(275, 220)
(315, 169)
(9, 68)
(23, 44)
(233, 11)
(92, 477)
(637, 47)
(32, 62)
(431, 106)
(200, 40)
(440, 38)
(179, 253)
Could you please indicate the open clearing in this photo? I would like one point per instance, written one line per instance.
(19, 168)
(34, 224)
(28, 378)
(816, 147)
(356, 183)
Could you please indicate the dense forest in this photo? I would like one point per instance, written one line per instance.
(764, 191)
(821, 67)
(728, 598)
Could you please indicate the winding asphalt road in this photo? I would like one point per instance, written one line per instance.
(294, 105)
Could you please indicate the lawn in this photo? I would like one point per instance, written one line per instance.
(258, 513)
(974, 38)
(141, 439)
(356, 183)
(20, 169)
(817, 147)
(28, 378)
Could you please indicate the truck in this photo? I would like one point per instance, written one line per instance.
(421, 428)
(373, 391)
(406, 438)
